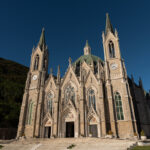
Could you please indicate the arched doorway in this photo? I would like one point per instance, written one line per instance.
(93, 127)
(70, 129)
(48, 129)
(69, 124)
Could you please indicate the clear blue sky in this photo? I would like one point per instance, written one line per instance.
(69, 23)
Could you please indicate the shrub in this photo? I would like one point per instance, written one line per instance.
(135, 134)
(71, 146)
(1, 146)
(142, 133)
(110, 132)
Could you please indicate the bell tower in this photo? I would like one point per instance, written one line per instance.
(121, 111)
(29, 121)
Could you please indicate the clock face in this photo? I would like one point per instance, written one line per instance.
(114, 66)
(34, 77)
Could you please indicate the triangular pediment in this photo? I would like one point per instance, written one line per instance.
(69, 112)
(70, 77)
(91, 79)
(50, 83)
(36, 51)
(69, 105)
(92, 115)
(48, 119)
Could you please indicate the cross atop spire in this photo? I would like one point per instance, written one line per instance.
(87, 48)
(109, 26)
(42, 42)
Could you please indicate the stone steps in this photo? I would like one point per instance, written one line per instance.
(63, 143)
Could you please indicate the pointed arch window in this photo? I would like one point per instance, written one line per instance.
(36, 62)
(118, 105)
(92, 101)
(69, 93)
(50, 97)
(111, 50)
(30, 110)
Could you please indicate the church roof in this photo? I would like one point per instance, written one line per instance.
(88, 59)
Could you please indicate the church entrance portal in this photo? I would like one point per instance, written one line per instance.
(47, 133)
(69, 129)
(93, 130)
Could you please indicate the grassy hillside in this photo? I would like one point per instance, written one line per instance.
(12, 82)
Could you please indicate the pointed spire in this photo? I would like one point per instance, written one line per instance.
(70, 60)
(87, 44)
(87, 48)
(42, 42)
(108, 25)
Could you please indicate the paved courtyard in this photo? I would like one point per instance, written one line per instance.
(63, 144)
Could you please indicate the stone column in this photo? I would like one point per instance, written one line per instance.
(128, 107)
(111, 108)
(38, 114)
(81, 108)
(102, 109)
(55, 117)
(39, 103)
(22, 118)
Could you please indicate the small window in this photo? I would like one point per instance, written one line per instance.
(111, 50)
(118, 105)
(36, 62)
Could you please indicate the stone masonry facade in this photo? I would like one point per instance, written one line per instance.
(94, 97)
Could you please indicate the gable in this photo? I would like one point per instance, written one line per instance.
(70, 77)
(91, 80)
(50, 84)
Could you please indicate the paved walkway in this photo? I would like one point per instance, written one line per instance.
(62, 144)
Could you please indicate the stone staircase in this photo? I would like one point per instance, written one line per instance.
(63, 143)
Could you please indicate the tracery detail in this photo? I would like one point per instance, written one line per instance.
(69, 93)
(50, 97)
(92, 101)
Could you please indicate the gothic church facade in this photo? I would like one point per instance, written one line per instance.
(91, 99)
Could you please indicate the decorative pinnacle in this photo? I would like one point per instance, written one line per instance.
(58, 74)
(87, 48)
(140, 82)
(70, 60)
(58, 71)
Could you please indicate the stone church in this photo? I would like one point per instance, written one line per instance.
(93, 98)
